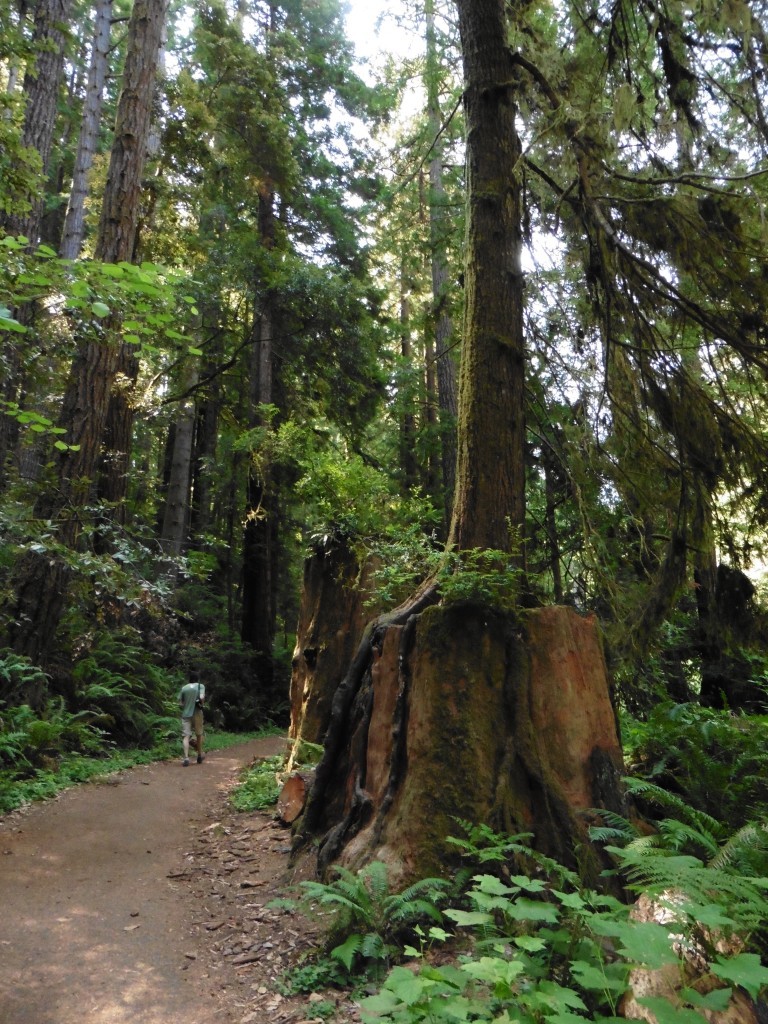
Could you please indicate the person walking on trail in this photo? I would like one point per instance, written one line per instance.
(191, 701)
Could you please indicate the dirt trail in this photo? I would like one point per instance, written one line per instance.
(102, 915)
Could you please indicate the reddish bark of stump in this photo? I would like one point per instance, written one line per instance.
(332, 618)
(461, 712)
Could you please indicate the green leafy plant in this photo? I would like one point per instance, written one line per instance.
(259, 786)
(364, 919)
(117, 680)
(19, 678)
(312, 975)
(714, 760)
(545, 950)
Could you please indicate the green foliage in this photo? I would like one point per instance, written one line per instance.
(715, 760)
(231, 670)
(19, 678)
(479, 575)
(545, 950)
(313, 975)
(118, 681)
(364, 918)
(259, 785)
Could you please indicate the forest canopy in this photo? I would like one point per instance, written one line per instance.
(240, 342)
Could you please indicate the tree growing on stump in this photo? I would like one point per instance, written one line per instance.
(449, 708)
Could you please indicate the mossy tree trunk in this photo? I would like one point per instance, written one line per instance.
(489, 501)
(458, 711)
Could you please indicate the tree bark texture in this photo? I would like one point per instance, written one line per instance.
(460, 712)
(119, 223)
(121, 208)
(260, 533)
(438, 242)
(489, 503)
(175, 531)
(43, 579)
(332, 618)
(42, 81)
(41, 89)
(74, 221)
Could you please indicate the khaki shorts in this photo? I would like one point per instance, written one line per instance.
(195, 723)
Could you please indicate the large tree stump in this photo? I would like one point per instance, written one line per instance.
(462, 712)
(333, 614)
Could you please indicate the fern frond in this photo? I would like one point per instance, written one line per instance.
(750, 838)
(346, 952)
(373, 947)
(376, 880)
(677, 834)
(681, 809)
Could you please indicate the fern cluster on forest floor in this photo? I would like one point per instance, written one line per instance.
(714, 759)
(537, 947)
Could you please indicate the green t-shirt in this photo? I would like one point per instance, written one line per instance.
(188, 694)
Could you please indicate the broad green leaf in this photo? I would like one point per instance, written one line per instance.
(717, 1000)
(528, 884)
(744, 970)
(100, 309)
(594, 979)
(468, 918)
(564, 1017)
(492, 885)
(530, 943)
(572, 900)
(8, 324)
(379, 1005)
(533, 910)
(559, 997)
(666, 1013)
(645, 942)
(494, 970)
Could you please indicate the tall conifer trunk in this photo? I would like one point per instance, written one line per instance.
(74, 220)
(462, 711)
(42, 81)
(258, 612)
(442, 323)
(489, 505)
(42, 581)
(118, 230)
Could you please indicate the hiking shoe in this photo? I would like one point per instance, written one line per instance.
(185, 762)
(200, 758)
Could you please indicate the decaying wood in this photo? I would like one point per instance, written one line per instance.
(334, 611)
(460, 712)
(293, 796)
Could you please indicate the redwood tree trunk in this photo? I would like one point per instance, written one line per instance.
(259, 535)
(438, 229)
(74, 221)
(41, 89)
(174, 536)
(462, 711)
(489, 504)
(118, 229)
(42, 581)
